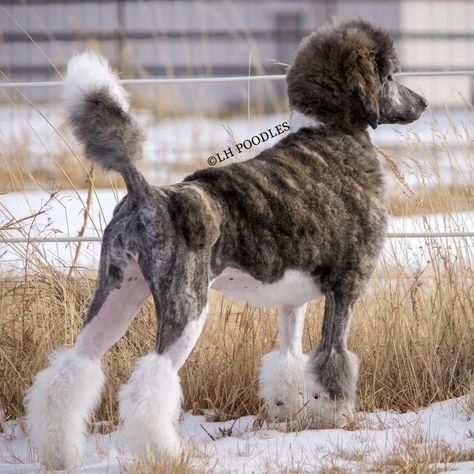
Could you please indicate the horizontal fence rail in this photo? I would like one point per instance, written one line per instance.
(394, 235)
(201, 80)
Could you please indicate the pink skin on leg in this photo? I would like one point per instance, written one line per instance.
(180, 350)
(290, 327)
(115, 315)
(150, 403)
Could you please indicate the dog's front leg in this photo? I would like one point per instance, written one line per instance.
(332, 370)
(64, 394)
(282, 371)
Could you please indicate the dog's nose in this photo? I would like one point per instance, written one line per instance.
(423, 102)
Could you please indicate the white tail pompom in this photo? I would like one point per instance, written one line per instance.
(89, 72)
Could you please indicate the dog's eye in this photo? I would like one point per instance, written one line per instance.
(316, 396)
(279, 404)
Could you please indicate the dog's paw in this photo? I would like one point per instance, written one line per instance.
(282, 385)
(322, 411)
(150, 406)
(330, 381)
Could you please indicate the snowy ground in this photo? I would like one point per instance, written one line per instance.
(62, 216)
(381, 435)
(181, 138)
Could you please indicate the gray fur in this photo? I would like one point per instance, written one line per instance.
(342, 76)
(336, 370)
(111, 137)
(314, 202)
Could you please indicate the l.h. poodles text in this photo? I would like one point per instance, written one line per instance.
(232, 151)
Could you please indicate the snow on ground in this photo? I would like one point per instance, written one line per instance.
(185, 140)
(270, 450)
(63, 217)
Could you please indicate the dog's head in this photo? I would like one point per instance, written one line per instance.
(343, 76)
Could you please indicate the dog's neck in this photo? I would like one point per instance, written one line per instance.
(299, 120)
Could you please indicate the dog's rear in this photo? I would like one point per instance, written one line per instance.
(64, 394)
(97, 110)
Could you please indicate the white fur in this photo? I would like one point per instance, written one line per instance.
(87, 73)
(150, 405)
(322, 411)
(295, 288)
(58, 405)
(299, 120)
(282, 380)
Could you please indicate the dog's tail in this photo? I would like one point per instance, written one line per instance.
(97, 110)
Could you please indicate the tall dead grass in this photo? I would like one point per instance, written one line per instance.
(413, 333)
(413, 330)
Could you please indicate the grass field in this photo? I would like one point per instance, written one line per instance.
(412, 331)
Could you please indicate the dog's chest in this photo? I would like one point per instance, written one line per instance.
(295, 288)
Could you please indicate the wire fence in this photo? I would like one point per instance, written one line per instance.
(203, 80)
(191, 80)
(395, 235)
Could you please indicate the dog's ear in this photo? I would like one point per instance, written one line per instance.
(362, 79)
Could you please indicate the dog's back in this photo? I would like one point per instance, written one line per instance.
(308, 202)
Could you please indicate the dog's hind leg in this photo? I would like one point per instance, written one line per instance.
(64, 394)
(332, 369)
(150, 403)
(282, 372)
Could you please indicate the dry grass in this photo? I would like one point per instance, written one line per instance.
(182, 465)
(19, 171)
(470, 404)
(412, 332)
(58, 165)
(440, 199)
(417, 454)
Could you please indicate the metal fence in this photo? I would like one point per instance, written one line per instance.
(190, 80)
(204, 80)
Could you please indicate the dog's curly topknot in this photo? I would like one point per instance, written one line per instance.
(335, 75)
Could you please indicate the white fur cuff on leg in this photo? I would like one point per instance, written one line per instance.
(282, 385)
(58, 404)
(150, 405)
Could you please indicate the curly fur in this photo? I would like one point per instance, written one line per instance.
(58, 405)
(330, 381)
(313, 204)
(282, 385)
(150, 404)
(97, 110)
(338, 73)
